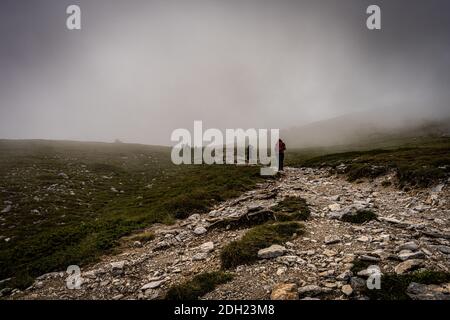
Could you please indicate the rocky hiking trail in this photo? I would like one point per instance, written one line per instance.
(412, 231)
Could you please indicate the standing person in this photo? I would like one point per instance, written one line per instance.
(280, 147)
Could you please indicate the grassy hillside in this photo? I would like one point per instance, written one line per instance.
(417, 162)
(68, 202)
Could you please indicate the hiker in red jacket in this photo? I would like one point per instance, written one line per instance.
(280, 148)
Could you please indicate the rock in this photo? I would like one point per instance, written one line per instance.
(347, 290)
(363, 239)
(358, 284)
(7, 209)
(284, 291)
(271, 252)
(253, 208)
(368, 258)
(63, 175)
(194, 217)
(335, 198)
(281, 270)
(118, 267)
(332, 240)
(408, 265)
(442, 248)
(407, 255)
(418, 291)
(199, 256)
(334, 207)
(162, 245)
(290, 260)
(438, 188)
(436, 234)
(408, 246)
(207, 246)
(200, 230)
(392, 220)
(341, 168)
(118, 297)
(329, 253)
(152, 285)
(312, 290)
(137, 244)
(344, 276)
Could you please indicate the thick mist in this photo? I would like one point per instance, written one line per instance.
(137, 70)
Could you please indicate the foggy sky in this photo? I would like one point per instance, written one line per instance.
(139, 69)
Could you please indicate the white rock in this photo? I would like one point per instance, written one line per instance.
(347, 289)
(7, 209)
(207, 246)
(363, 239)
(271, 252)
(200, 230)
(152, 285)
(199, 256)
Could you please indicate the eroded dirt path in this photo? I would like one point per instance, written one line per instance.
(317, 267)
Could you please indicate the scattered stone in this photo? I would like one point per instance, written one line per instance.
(7, 209)
(438, 188)
(334, 207)
(418, 291)
(332, 239)
(368, 258)
(312, 290)
(335, 198)
(200, 230)
(271, 252)
(284, 291)
(407, 255)
(412, 246)
(118, 267)
(329, 253)
(358, 284)
(408, 265)
(152, 285)
(200, 256)
(363, 239)
(281, 270)
(207, 246)
(345, 276)
(442, 248)
(347, 290)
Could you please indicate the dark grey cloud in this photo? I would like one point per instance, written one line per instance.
(139, 69)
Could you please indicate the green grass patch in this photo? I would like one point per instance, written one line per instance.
(292, 208)
(359, 216)
(198, 286)
(72, 202)
(245, 250)
(393, 287)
